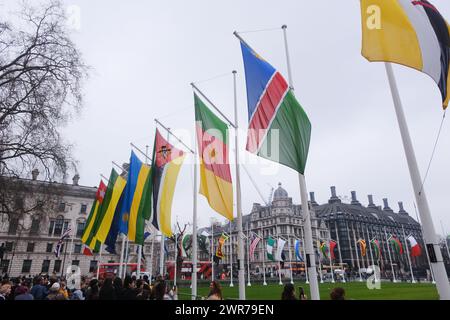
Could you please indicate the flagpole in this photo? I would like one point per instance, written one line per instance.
(64, 259)
(122, 251)
(176, 258)
(310, 258)
(371, 253)
(231, 257)
(264, 257)
(238, 197)
(426, 250)
(409, 258)
(349, 244)
(390, 257)
(290, 260)
(339, 250)
(437, 262)
(331, 259)
(212, 252)
(125, 258)
(71, 244)
(445, 238)
(357, 253)
(320, 264)
(304, 257)
(248, 256)
(161, 255)
(194, 228)
(152, 256)
(279, 261)
(99, 261)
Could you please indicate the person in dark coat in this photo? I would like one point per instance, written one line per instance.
(107, 291)
(129, 292)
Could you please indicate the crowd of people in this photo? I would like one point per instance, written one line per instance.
(110, 288)
(114, 288)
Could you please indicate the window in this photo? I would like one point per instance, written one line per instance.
(75, 262)
(35, 226)
(49, 248)
(57, 267)
(83, 209)
(62, 207)
(45, 266)
(77, 248)
(80, 228)
(57, 226)
(93, 266)
(30, 247)
(13, 225)
(8, 246)
(4, 266)
(26, 267)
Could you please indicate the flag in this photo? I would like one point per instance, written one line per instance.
(203, 242)
(253, 244)
(186, 243)
(362, 246)
(332, 247)
(105, 216)
(279, 129)
(166, 164)
(215, 175)
(219, 250)
(114, 230)
(324, 249)
(376, 248)
(166, 247)
(298, 255)
(60, 243)
(416, 251)
(87, 251)
(280, 246)
(410, 33)
(269, 248)
(136, 206)
(396, 244)
(99, 196)
(146, 235)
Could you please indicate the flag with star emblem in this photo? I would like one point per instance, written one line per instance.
(100, 195)
(215, 175)
(166, 165)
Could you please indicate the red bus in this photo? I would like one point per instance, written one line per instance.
(111, 269)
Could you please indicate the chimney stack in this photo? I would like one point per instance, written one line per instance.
(35, 174)
(313, 199)
(334, 197)
(76, 179)
(401, 208)
(371, 204)
(354, 199)
(386, 205)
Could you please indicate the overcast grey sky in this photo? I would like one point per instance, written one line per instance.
(144, 54)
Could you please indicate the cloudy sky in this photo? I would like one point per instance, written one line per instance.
(144, 55)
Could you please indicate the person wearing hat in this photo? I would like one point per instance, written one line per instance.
(54, 292)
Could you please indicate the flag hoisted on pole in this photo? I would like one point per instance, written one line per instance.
(276, 119)
(414, 34)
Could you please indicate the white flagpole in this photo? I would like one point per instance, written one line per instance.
(231, 257)
(357, 254)
(194, 230)
(371, 253)
(71, 244)
(349, 244)
(290, 260)
(331, 259)
(212, 252)
(126, 258)
(304, 257)
(445, 238)
(176, 258)
(122, 251)
(339, 251)
(152, 256)
(409, 258)
(238, 199)
(390, 257)
(99, 261)
(279, 261)
(426, 250)
(264, 257)
(138, 271)
(310, 257)
(249, 284)
(437, 263)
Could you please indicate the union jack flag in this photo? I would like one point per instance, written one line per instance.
(59, 245)
(253, 244)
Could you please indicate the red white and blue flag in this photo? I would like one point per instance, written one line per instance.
(60, 243)
(253, 244)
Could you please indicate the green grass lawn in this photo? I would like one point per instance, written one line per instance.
(354, 291)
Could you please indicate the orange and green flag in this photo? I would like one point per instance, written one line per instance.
(215, 176)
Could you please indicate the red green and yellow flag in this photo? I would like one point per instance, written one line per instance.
(215, 176)
(94, 211)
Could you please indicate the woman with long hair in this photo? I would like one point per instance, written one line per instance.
(288, 292)
(215, 292)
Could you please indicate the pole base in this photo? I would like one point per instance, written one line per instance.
(321, 281)
(344, 281)
(292, 282)
(231, 284)
(414, 281)
(280, 283)
(434, 282)
(249, 284)
(307, 282)
(360, 280)
(265, 284)
(332, 281)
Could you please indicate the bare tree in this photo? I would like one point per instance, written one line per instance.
(41, 76)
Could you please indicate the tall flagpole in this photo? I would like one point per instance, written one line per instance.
(445, 238)
(357, 253)
(176, 258)
(126, 258)
(152, 256)
(310, 257)
(390, 257)
(290, 259)
(212, 252)
(238, 198)
(279, 261)
(194, 229)
(161, 255)
(304, 258)
(122, 252)
(437, 262)
(409, 257)
(264, 257)
(249, 284)
(99, 261)
(331, 259)
(320, 264)
(339, 250)
(231, 256)
(426, 250)
(371, 253)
